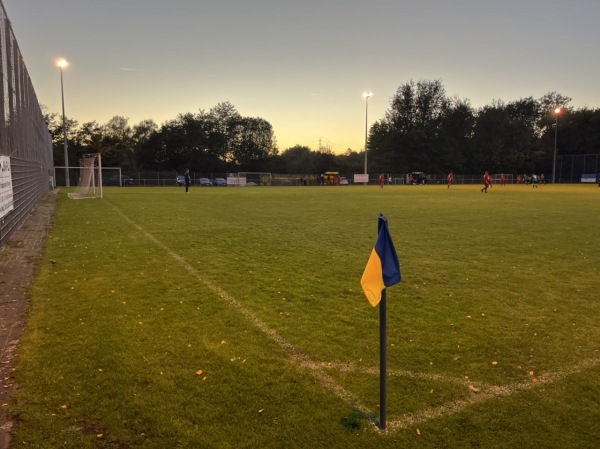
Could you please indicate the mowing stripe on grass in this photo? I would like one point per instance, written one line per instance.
(298, 357)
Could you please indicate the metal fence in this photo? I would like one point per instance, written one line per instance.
(575, 168)
(170, 178)
(25, 143)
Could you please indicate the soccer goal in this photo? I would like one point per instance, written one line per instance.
(89, 184)
(497, 178)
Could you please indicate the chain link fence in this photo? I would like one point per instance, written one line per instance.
(25, 144)
(173, 178)
(577, 168)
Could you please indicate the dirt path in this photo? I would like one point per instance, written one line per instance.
(18, 263)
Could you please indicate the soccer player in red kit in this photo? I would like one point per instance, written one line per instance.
(450, 179)
(487, 181)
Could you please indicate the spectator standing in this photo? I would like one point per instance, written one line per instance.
(187, 180)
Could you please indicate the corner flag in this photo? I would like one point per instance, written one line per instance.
(383, 268)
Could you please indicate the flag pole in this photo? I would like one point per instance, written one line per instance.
(382, 360)
(382, 271)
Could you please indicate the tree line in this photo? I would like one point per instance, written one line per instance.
(422, 130)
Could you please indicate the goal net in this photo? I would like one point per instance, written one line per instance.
(508, 178)
(89, 184)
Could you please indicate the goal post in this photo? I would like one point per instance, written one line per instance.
(497, 178)
(89, 184)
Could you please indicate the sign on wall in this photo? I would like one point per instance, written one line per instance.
(590, 177)
(6, 190)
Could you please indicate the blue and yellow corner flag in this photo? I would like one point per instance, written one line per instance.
(383, 268)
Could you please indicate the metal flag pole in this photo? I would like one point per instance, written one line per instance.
(383, 360)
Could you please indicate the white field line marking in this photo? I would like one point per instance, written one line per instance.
(485, 391)
(347, 367)
(482, 392)
(301, 359)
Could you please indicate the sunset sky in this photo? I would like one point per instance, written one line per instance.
(301, 65)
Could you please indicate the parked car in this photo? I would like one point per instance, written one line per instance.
(204, 182)
(180, 181)
(343, 181)
(219, 182)
(114, 181)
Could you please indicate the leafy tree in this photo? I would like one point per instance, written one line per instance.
(55, 127)
(90, 136)
(548, 103)
(253, 144)
(422, 130)
(218, 140)
(490, 137)
(143, 130)
(325, 160)
(579, 132)
(298, 159)
(455, 137)
(178, 144)
(412, 130)
(425, 130)
(117, 143)
(523, 152)
(350, 162)
(382, 152)
(225, 120)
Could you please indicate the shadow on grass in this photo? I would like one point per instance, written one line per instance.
(356, 420)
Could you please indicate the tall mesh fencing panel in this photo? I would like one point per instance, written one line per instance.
(25, 143)
(576, 168)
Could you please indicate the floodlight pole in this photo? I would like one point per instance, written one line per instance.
(367, 95)
(61, 64)
(556, 111)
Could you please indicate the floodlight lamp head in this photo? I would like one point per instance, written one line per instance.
(368, 95)
(557, 110)
(62, 63)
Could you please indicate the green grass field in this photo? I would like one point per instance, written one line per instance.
(234, 318)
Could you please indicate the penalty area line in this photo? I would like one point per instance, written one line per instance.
(299, 358)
